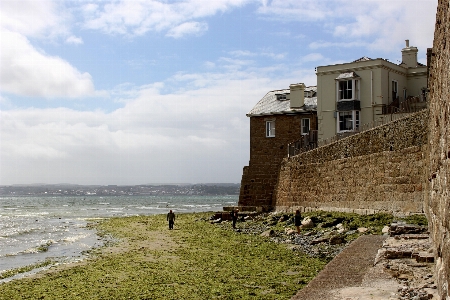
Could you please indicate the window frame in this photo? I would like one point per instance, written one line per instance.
(394, 88)
(355, 120)
(270, 128)
(303, 126)
(354, 89)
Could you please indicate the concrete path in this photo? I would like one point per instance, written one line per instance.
(352, 276)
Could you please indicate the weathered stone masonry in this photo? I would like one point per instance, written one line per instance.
(378, 170)
(389, 181)
(437, 196)
(266, 153)
(402, 166)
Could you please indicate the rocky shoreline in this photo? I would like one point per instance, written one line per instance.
(406, 255)
(323, 235)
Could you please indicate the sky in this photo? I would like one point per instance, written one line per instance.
(155, 91)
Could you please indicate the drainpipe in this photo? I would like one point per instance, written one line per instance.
(389, 91)
(371, 96)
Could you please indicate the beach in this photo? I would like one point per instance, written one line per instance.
(196, 260)
(41, 230)
(205, 259)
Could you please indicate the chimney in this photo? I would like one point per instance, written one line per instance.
(297, 95)
(409, 56)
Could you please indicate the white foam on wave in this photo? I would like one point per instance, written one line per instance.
(73, 239)
(149, 207)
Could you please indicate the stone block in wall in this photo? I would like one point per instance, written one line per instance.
(402, 179)
(418, 187)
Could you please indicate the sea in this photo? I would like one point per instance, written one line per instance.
(36, 229)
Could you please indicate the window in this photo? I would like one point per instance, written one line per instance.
(394, 90)
(270, 128)
(281, 97)
(348, 121)
(345, 89)
(305, 126)
(348, 89)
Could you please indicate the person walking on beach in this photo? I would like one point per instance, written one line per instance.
(234, 217)
(171, 219)
(298, 220)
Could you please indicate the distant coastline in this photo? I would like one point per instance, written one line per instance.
(203, 189)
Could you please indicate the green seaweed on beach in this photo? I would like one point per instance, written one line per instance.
(16, 271)
(197, 260)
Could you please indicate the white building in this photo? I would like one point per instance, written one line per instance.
(356, 93)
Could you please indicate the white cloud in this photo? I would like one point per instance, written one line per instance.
(28, 71)
(138, 17)
(74, 40)
(323, 44)
(31, 18)
(188, 28)
(388, 24)
(294, 10)
(313, 57)
(155, 137)
(239, 53)
(375, 24)
(264, 53)
(209, 65)
(25, 71)
(276, 56)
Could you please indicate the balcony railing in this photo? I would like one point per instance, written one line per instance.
(406, 107)
(409, 105)
(307, 142)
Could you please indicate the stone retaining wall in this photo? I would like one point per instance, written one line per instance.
(390, 181)
(437, 196)
(400, 134)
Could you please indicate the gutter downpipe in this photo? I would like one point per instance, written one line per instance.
(371, 96)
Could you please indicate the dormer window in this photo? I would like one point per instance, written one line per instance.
(281, 97)
(347, 86)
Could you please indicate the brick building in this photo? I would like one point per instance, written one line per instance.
(293, 113)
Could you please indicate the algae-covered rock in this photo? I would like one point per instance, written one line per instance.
(307, 223)
(268, 233)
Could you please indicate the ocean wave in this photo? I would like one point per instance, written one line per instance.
(19, 232)
(151, 207)
(75, 238)
(43, 247)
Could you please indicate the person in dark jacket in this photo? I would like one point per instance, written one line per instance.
(171, 219)
(234, 217)
(298, 220)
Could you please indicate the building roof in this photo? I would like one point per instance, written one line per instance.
(364, 58)
(347, 75)
(269, 105)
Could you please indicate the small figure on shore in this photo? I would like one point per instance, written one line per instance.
(234, 217)
(171, 219)
(298, 220)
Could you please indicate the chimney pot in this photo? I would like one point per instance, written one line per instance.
(407, 43)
